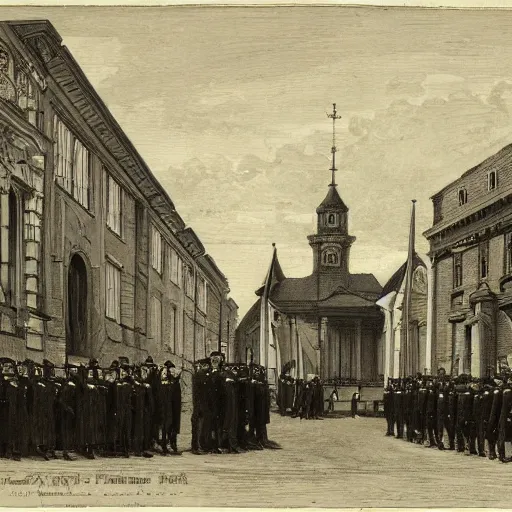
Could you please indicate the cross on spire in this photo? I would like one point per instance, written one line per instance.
(333, 116)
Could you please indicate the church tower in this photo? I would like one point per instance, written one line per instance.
(331, 244)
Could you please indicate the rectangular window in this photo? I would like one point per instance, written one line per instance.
(508, 253)
(200, 342)
(463, 196)
(457, 270)
(114, 206)
(201, 293)
(175, 268)
(113, 292)
(172, 330)
(484, 260)
(72, 163)
(156, 249)
(189, 282)
(492, 180)
(156, 320)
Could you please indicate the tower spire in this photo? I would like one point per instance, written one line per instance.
(333, 116)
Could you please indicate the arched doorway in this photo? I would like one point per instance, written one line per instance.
(77, 307)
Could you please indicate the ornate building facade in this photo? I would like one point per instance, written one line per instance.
(95, 261)
(471, 252)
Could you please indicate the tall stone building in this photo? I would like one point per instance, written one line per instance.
(471, 252)
(95, 259)
(326, 323)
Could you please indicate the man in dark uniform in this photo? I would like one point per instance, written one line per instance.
(13, 402)
(111, 380)
(441, 411)
(504, 419)
(430, 413)
(41, 420)
(494, 416)
(422, 411)
(477, 437)
(148, 410)
(67, 411)
(200, 412)
(451, 414)
(398, 409)
(298, 403)
(153, 379)
(175, 380)
(355, 400)
(388, 408)
(230, 409)
(216, 401)
(123, 409)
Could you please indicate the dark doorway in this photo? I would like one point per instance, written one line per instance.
(77, 307)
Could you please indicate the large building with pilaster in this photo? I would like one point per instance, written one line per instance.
(95, 260)
(471, 253)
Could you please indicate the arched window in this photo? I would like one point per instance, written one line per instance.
(332, 219)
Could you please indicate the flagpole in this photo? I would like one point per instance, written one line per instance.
(408, 364)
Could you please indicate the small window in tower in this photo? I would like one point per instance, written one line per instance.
(330, 257)
(463, 196)
(492, 181)
(331, 219)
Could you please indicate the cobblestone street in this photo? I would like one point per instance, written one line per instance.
(340, 462)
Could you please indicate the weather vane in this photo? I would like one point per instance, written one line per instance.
(333, 116)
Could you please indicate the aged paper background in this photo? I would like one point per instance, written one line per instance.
(244, 279)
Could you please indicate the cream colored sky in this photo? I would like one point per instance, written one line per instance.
(228, 107)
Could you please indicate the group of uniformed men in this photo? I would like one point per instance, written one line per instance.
(303, 398)
(475, 413)
(231, 407)
(129, 409)
(88, 410)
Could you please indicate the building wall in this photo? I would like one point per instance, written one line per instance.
(70, 229)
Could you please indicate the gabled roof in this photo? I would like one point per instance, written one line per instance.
(395, 282)
(304, 289)
(332, 201)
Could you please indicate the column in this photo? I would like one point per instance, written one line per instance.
(322, 351)
(358, 349)
(293, 348)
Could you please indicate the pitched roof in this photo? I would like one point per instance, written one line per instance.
(332, 201)
(304, 289)
(395, 282)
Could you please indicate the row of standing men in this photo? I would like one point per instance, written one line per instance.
(476, 414)
(89, 410)
(231, 407)
(303, 398)
(130, 409)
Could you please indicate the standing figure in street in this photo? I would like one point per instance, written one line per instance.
(138, 395)
(388, 408)
(13, 405)
(230, 410)
(504, 419)
(355, 400)
(430, 413)
(200, 413)
(148, 414)
(68, 411)
(494, 416)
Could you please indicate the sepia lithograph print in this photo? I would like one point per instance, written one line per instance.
(255, 256)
